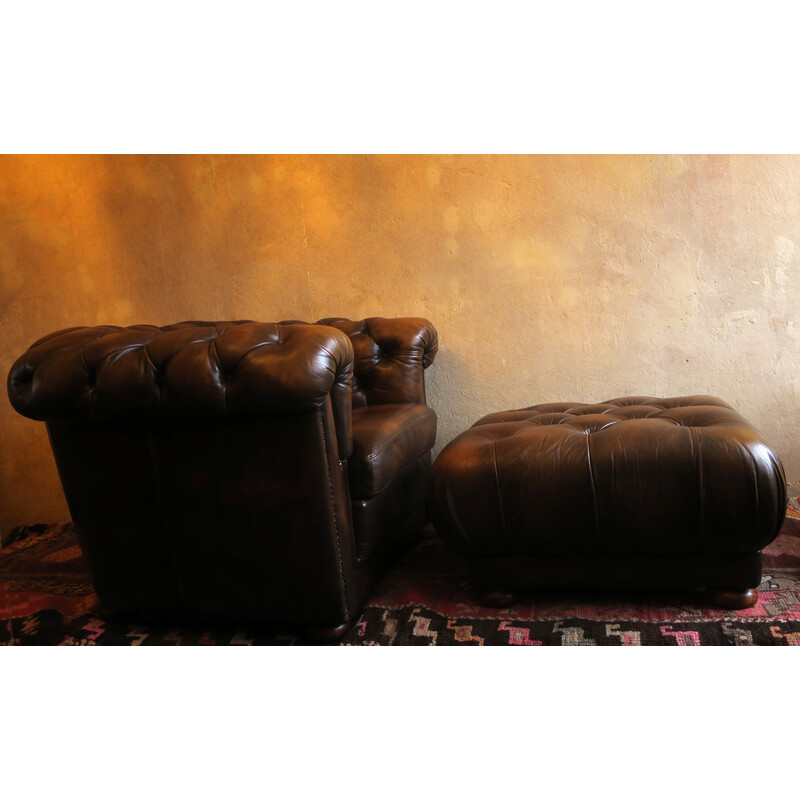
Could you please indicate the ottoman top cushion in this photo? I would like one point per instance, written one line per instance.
(696, 411)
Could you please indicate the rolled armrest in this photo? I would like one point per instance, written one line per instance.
(390, 357)
(193, 369)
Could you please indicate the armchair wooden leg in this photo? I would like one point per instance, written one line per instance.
(733, 598)
(497, 598)
(332, 634)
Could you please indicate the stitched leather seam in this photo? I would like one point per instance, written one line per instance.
(223, 382)
(92, 392)
(592, 484)
(370, 459)
(697, 451)
(405, 427)
(342, 583)
(499, 493)
(149, 358)
(247, 353)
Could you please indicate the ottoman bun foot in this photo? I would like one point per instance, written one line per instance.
(497, 598)
(733, 598)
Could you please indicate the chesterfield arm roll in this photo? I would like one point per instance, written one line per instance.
(238, 470)
(635, 492)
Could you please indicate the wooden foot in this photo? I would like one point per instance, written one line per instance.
(497, 598)
(734, 598)
(325, 635)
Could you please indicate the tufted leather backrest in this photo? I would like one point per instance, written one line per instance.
(220, 369)
(390, 356)
(194, 369)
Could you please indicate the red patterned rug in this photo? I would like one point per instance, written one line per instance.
(46, 598)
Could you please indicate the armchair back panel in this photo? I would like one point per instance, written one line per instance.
(199, 507)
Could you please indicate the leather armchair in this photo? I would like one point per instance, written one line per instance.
(238, 470)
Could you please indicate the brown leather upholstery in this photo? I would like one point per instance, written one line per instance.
(206, 463)
(566, 493)
(385, 438)
(191, 369)
(390, 356)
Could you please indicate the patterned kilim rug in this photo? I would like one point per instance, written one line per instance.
(46, 598)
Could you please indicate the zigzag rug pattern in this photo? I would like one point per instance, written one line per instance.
(46, 598)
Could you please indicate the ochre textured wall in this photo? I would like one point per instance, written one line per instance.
(548, 277)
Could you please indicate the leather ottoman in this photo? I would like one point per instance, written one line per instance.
(632, 493)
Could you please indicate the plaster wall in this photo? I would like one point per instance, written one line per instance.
(548, 277)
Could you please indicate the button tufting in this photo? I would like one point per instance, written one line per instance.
(220, 368)
(687, 412)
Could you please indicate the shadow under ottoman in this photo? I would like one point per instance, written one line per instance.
(633, 493)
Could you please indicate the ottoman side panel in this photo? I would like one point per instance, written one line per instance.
(685, 484)
(548, 492)
(741, 483)
(463, 501)
(649, 486)
(744, 488)
(514, 489)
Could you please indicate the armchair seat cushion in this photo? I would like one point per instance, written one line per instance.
(385, 439)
